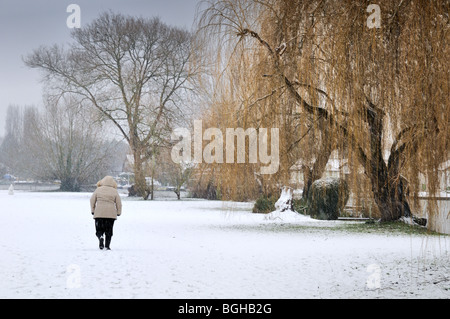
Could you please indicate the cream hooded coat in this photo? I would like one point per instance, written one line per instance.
(106, 202)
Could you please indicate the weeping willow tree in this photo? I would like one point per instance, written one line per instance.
(376, 92)
(237, 101)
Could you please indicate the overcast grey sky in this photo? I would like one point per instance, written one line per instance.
(27, 24)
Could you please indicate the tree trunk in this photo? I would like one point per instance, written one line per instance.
(308, 180)
(69, 184)
(152, 188)
(391, 201)
(310, 175)
(139, 176)
(178, 192)
(388, 186)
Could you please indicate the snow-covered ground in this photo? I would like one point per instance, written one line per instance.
(206, 249)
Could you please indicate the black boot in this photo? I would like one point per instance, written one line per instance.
(108, 242)
(101, 246)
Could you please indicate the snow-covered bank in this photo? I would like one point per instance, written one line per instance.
(205, 249)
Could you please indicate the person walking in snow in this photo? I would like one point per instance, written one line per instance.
(106, 205)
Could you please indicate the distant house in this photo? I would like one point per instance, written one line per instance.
(9, 177)
(439, 221)
(128, 164)
(128, 167)
(335, 168)
(444, 176)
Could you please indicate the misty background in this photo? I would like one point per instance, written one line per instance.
(27, 25)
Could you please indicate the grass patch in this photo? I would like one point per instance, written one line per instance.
(391, 228)
(375, 228)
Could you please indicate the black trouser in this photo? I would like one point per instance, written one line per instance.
(104, 226)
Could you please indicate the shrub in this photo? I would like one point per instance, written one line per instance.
(265, 205)
(327, 198)
(300, 205)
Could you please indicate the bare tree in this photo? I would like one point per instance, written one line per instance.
(176, 174)
(69, 145)
(14, 150)
(10, 147)
(132, 70)
(62, 142)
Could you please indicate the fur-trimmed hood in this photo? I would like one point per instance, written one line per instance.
(107, 181)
